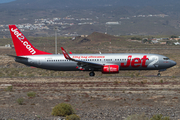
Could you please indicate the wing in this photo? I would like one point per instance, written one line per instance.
(82, 63)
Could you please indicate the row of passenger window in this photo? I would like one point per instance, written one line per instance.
(94, 60)
(69, 60)
(129, 59)
(56, 60)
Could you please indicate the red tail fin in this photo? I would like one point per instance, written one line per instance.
(22, 46)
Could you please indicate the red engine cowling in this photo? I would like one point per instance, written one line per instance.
(110, 69)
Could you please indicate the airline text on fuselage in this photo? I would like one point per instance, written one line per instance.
(86, 57)
(136, 62)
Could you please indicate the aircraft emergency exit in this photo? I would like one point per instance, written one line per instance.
(27, 54)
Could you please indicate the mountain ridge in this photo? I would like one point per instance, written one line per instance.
(72, 4)
(26, 11)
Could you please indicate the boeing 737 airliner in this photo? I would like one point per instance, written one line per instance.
(106, 63)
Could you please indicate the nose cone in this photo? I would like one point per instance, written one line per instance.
(173, 63)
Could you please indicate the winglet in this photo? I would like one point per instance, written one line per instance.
(65, 54)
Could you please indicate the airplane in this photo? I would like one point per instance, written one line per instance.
(110, 63)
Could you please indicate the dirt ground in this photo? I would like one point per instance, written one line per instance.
(103, 97)
(97, 98)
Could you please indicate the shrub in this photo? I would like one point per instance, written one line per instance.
(116, 82)
(20, 101)
(9, 88)
(73, 117)
(136, 38)
(159, 117)
(62, 109)
(31, 94)
(161, 81)
(137, 117)
(174, 36)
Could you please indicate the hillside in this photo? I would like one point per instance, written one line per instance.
(26, 11)
(39, 4)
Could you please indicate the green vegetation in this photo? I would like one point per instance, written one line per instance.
(116, 82)
(9, 88)
(144, 40)
(62, 109)
(31, 94)
(161, 81)
(136, 38)
(159, 117)
(174, 36)
(20, 101)
(73, 117)
(143, 117)
(137, 117)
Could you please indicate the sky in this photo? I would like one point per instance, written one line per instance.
(6, 1)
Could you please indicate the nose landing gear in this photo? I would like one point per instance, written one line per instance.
(159, 74)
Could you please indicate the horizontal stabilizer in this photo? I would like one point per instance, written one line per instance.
(17, 57)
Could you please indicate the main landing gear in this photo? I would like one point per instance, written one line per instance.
(159, 74)
(91, 74)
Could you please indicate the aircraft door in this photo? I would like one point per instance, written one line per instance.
(31, 61)
(38, 62)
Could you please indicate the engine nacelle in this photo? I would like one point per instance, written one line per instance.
(110, 69)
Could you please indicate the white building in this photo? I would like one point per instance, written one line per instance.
(113, 23)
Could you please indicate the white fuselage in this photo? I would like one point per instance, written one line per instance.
(126, 61)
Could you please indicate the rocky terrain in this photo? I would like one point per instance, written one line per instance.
(97, 98)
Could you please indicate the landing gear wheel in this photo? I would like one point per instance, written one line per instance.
(91, 74)
(159, 74)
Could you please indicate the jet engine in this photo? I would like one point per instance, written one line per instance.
(110, 69)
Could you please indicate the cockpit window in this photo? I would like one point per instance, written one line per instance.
(166, 58)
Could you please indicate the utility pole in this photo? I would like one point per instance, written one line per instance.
(106, 32)
(56, 29)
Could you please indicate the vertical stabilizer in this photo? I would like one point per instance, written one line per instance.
(22, 46)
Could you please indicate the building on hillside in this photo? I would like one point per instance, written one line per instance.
(155, 40)
(163, 43)
(113, 23)
(176, 43)
(176, 39)
(84, 35)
